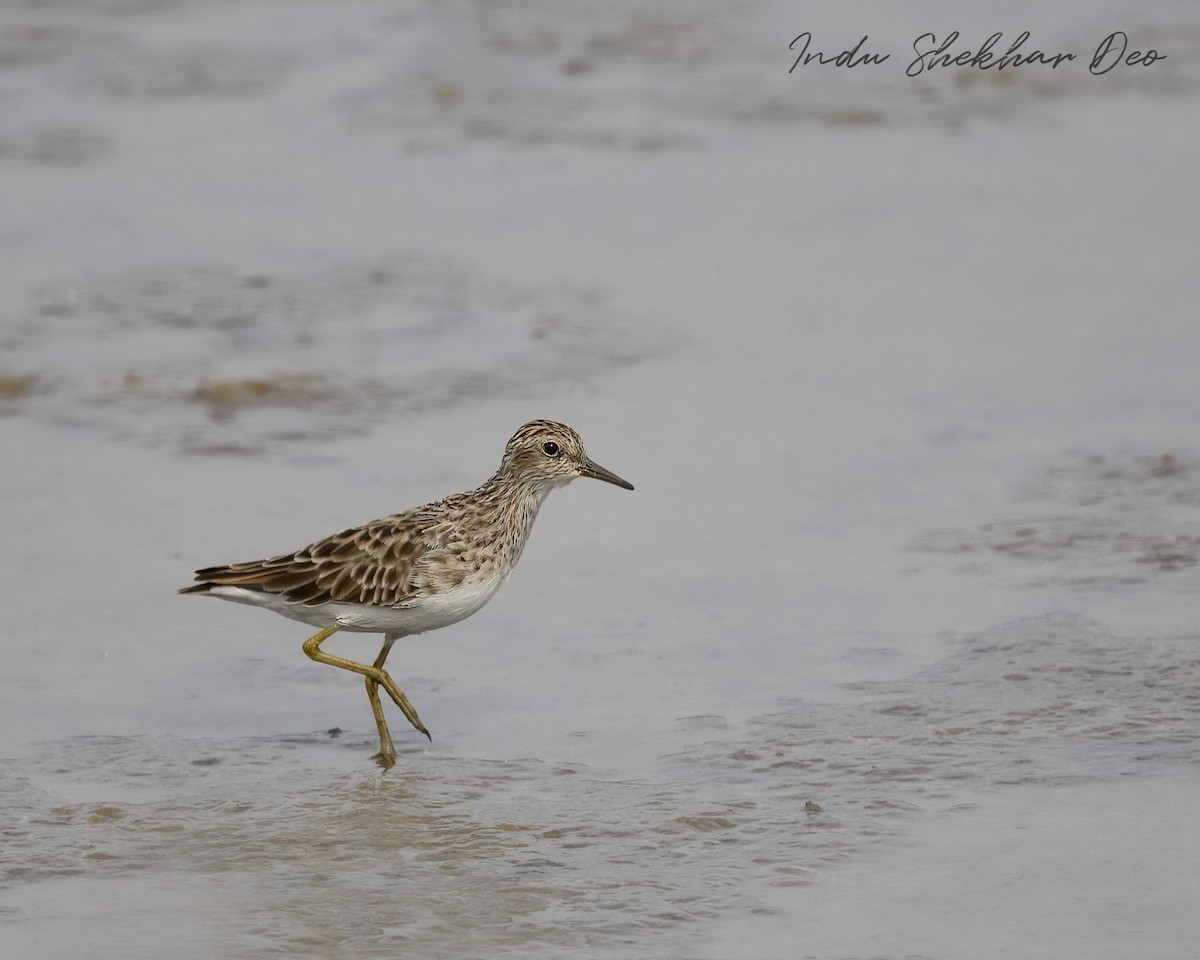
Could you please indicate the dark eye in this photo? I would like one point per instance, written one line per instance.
(550, 448)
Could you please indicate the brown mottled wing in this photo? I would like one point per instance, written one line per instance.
(368, 564)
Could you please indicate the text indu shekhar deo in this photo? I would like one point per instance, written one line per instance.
(1112, 52)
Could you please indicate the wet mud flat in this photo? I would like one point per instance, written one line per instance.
(255, 846)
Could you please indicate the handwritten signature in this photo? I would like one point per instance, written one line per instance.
(1113, 51)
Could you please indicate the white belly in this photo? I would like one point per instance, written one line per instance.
(427, 613)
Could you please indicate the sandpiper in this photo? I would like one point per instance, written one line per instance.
(415, 571)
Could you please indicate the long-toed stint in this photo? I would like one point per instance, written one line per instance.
(415, 571)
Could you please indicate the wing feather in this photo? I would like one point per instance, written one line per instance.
(373, 564)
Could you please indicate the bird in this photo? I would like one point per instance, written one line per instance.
(415, 571)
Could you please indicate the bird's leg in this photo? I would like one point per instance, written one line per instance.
(385, 680)
(374, 674)
(386, 750)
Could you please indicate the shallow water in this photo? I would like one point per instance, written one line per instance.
(260, 846)
(892, 653)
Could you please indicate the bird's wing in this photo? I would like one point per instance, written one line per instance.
(371, 564)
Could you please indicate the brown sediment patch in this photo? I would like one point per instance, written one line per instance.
(853, 117)
(1165, 465)
(13, 387)
(293, 389)
(1170, 553)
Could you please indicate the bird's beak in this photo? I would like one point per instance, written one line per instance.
(589, 469)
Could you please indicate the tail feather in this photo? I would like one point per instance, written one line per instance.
(248, 575)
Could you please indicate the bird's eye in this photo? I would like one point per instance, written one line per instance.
(551, 449)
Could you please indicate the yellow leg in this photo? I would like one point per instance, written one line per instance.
(385, 741)
(376, 677)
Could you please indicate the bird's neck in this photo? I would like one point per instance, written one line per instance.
(517, 500)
